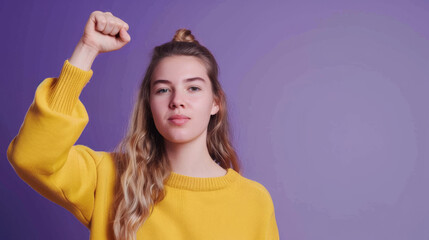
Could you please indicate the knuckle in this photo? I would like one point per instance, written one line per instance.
(117, 20)
(122, 24)
(98, 14)
(111, 22)
(102, 21)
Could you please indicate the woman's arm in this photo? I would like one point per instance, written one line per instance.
(83, 56)
(272, 228)
(43, 153)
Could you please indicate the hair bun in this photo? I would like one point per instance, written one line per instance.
(184, 35)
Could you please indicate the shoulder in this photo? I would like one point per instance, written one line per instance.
(106, 163)
(101, 158)
(256, 191)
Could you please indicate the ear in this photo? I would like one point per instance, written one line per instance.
(215, 108)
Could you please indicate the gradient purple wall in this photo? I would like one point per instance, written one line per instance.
(328, 101)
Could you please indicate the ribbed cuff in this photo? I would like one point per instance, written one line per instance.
(66, 90)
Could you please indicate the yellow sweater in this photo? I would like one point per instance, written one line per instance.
(81, 180)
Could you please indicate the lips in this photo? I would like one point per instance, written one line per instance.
(178, 119)
(178, 116)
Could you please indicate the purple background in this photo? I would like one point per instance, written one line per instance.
(327, 100)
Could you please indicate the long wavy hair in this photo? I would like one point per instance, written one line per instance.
(140, 158)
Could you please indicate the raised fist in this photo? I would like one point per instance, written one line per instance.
(105, 32)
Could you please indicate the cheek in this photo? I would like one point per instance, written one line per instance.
(205, 109)
(155, 110)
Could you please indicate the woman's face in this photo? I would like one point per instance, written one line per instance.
(180, 86)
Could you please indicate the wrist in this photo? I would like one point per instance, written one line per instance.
(83, 56)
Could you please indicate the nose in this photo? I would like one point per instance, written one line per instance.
(177, 99)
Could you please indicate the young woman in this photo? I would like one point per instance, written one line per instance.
(175, 175)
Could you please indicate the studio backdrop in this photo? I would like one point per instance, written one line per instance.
(328, 104)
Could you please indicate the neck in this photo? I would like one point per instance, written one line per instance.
(192, 158)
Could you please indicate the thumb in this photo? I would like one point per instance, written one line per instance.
(124, 36)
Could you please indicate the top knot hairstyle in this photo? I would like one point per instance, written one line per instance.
(140, 158)
(184, 35)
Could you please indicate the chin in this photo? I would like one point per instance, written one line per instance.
(180, 138)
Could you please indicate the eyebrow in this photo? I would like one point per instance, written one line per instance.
(186, 80)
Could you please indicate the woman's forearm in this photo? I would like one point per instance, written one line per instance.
(83, 56)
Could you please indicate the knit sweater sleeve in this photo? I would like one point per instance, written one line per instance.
(43, 153)
(272, 229)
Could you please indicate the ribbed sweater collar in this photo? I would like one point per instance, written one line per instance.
(176, 180)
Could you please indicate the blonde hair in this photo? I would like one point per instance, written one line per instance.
(140, 158)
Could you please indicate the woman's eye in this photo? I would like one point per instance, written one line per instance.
(194, 89)
(162, 90)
